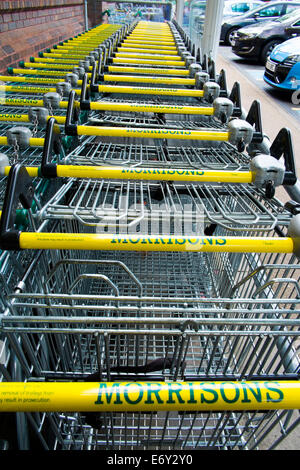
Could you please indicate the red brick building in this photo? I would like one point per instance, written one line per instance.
(29, 26)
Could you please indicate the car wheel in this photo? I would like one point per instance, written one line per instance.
(267, 49)
(229, 36)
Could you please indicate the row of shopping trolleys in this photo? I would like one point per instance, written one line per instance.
(149, 273)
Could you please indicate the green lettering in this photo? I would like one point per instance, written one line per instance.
(140, 396)
(221, 241)
(256, 393)
(195, 242)
(272, 387)
(205, 388)
(159, 241)
(178, 242)
(131, 240)
(155, 392)
(225, 398)
(192, 394)
(108, 391)
(145, 241)
(176, 392)
(119, 240)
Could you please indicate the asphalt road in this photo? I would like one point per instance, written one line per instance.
(254, 72)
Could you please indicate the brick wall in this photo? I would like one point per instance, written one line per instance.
(29, 26)
(94, 12)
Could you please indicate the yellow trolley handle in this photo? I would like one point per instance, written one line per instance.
(149, 41)
(33, 142)
(56, 60)
(139, 173)
(65, 55)
(151, 108)
(261, 178)
(207, 135)
(54, 66)
(30, 102)
(20, 189)
(30, 89)
(25, 118)
(150, 91)
(34, 80)
(144, 243)
(131, 55)
(147, 50)
(149, 396)
(151, 79)
(36, 72)
(155, 35)
(144, 61)
(148, 71)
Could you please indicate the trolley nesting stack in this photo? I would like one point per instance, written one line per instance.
(159, 304)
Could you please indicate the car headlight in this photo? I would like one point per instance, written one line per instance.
(291, 60)
(250, 36)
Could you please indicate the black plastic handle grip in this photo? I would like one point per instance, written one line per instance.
(282, 147)
(52, 147)
(19, 189)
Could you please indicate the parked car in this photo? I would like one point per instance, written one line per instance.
(282, 69)
(236, 7)
(258, 40)
(266, 12)
(195, 11)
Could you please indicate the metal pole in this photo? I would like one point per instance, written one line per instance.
(212, 28)
(86, 23)
(179, 11)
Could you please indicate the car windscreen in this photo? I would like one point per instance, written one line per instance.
(293, 15)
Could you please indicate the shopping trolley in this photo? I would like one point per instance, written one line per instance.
(200, 71)
(132, 109)
(126, 195)
(125, 107)
(86, 47)
(22, 144)
(33, 113)
(178, 339)
(243, 134)
(265, 171)
(171, 317)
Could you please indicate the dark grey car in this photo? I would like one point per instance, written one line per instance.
(258, 41)
(266, 12)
